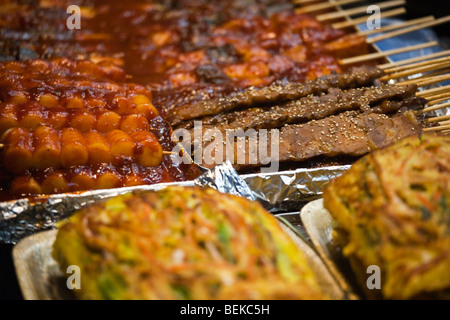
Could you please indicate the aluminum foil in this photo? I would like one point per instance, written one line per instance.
(21, 218)
(225, 179)
(278, 192)
(290, 190)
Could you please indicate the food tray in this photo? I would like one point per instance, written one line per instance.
(318, 224)
(278, 192)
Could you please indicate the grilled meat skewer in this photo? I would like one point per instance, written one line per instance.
(350, 133)
(274, 93)
(316, 107)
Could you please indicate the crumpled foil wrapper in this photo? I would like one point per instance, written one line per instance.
(225, 179)
(290, 190)
(281, 191)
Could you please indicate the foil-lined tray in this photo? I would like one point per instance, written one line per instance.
(21, 218)
(278, 192)
(289, 190)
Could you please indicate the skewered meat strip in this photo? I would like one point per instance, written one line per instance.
(274, 93)
(315, 107)
(350, 133)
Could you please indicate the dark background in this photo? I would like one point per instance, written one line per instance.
(9, 288)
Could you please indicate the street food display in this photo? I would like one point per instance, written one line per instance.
(102, 101)
(86, 108)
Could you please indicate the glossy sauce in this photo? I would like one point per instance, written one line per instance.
(173, 52)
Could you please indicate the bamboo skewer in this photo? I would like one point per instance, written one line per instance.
(410, 29)
(377, 55)
(356, 21)
(436, 119)
(397, 26)
(304, 1)
(169, 153)
(445, 131)
(423, 77)
(415, 59)
(164, 152)
(432, 100)
(435, 73)
(438, 128)
(323, 6)
(405, 73)
(433, 91)
(434, 108)
(358, 10)
(425, 81)
(416, 65)
(435, 102)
